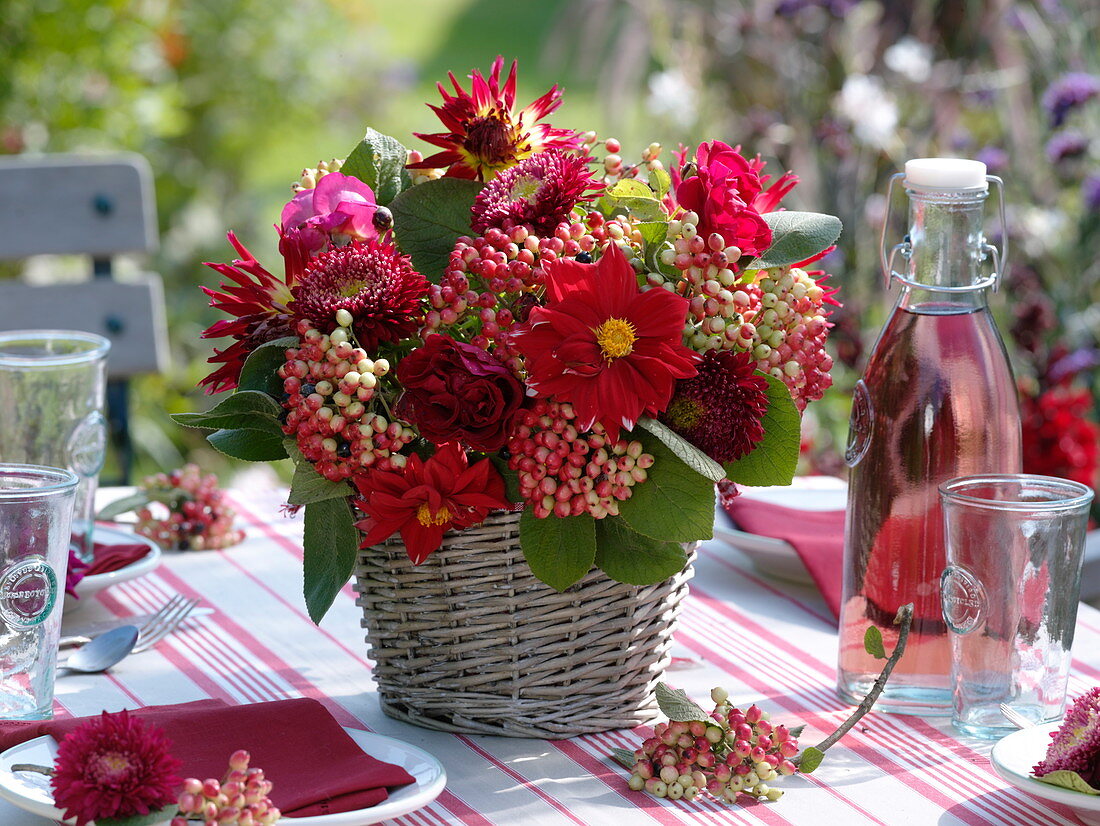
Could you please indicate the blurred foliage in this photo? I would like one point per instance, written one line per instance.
(230, 98)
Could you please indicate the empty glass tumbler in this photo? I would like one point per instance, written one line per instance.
(36, 506)
(1010, 591)
(52, 385)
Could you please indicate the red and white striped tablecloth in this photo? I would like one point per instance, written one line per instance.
(766, 641)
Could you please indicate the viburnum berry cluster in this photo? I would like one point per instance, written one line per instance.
(563, 472)
(185, 510)
(239, 799)
(330, 388)
(734, 753)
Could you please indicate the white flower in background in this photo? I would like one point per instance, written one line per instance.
(910, 58)
(1040, 229)
(872, 111)
(672, 96)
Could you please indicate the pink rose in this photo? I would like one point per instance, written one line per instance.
(338, 205)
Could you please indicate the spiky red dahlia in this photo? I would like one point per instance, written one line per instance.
(720, 409)
(114, 766)
(604, 346)
(257, 300)
(537, 193)
(372, 281)
(486, 134)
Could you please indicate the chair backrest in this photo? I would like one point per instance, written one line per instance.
(94, 205)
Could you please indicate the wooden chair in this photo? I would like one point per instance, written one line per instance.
(97, 206)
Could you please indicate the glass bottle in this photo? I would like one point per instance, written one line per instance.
(936, 401)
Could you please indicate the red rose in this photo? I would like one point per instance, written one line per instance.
(455, 391)
(721, 193)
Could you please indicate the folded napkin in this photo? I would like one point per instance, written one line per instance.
(107, 558)
(315, 766)
(817, 537)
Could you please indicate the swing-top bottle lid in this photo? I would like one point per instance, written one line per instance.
(945, 175)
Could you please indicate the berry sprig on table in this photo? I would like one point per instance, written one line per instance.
(240, 799)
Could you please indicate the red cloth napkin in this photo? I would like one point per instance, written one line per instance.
(107, 558)
(817, 536)
(315, 766)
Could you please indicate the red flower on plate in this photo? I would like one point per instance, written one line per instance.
(114, 765)
(426, 499)
(600, 343)
(485, 134)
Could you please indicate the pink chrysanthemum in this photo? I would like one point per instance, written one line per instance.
(720, 409)
(114, 766)
(372, 281)
(485, 134)
(538, 192)
(1075, 746)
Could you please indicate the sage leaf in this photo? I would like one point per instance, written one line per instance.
(796, 236)
(676, 705)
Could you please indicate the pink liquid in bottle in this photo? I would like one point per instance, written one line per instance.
(937, 401)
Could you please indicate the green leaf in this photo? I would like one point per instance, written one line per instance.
(872, 643)
(428, 218)
(676, 503)
(796, 236)
(660, 182)
(244, 410)
(811, 759)
(634, 198)
(688, 453)
(249, 445)
(331, 542)
(677, 706)
(653, 232)
(559, 550)
(625, 757)
(796, 732)
(259, 368)
(627, 556)
(159, 816)
(309, 486)
(773, 461)
(124, 505)
(510, 477)
(379, 162)
(1067, 780)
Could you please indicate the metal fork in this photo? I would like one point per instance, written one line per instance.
(168, 622)
(1015, 717)
(151, 625)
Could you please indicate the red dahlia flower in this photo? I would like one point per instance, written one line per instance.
(599, 343)
(486, 134)
(257, 300)
(722, 192)
(538, 192)
(1060, 437)
(114, 766)
(426, 499)
(372, 281)
(720, 409)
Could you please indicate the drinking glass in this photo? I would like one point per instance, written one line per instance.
(36, 508)
(1015, 546)
(52, 384)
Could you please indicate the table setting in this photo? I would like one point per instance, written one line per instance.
(537, 548)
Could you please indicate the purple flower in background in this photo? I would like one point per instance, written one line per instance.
(1069, 91)
(994, 158)
(790, 8)
(1090, 189)
(1066, 145)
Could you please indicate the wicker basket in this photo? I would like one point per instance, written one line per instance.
(471, 642)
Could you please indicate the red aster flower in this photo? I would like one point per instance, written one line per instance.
(372, 281)
(1060, 438)
(426, 499)
(1075, 746)
(485, 132)
(114, 766)
(538, 192)
(612, 351)
(719, 410)
(257, 301)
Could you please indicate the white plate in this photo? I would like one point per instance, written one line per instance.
(774, 556)
(1013, 758)
(118, 536)
(31, 791)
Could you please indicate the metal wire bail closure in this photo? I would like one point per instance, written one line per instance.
(999, 257)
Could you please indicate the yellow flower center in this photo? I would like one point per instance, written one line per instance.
(616, 338)
(426, 518)
(684, 413)
(111, 766)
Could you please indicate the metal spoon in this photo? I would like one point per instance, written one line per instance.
(103, 651)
